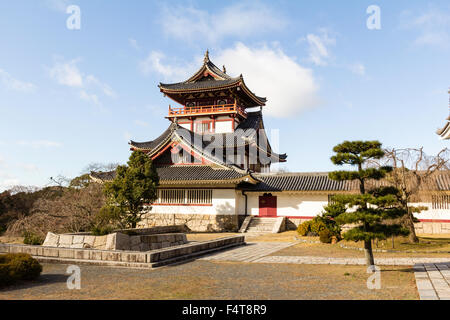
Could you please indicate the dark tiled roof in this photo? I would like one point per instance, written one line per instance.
(198, 82)
(150, 145)
(197, 173)
(296, 181)
(182, 173)
(200, 85)
(243, 135)
(300, 181)
(103, 176)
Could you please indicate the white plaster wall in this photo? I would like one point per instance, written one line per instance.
(291, 204)
(434, 214)
(223, 126)
(223, 203)
(310, 205)
(186, 125)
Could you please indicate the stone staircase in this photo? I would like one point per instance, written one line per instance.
(263, 225)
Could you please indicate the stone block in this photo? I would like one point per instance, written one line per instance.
(51, 252)
(77, 246)
(51, 240)
(78, 240)
(128, 257)
(66, 253)
(165, 244)
(95, 255)
(81, 254)
(427, 228)
(111, 256)
(117, 241)
(141, 257)
(134, 240)
(100, 242)
(89, 241)
(65, 240)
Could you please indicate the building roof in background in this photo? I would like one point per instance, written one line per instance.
(269, 182)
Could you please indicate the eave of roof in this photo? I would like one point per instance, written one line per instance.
(244, 135)
(221, 81)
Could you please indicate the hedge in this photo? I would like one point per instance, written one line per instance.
(16, 267)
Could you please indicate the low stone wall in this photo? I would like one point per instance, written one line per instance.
(148, 259)
(115, 241)
(433, 227)
(194, 222)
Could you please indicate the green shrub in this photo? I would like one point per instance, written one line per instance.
(304, 228)
(317, 226)
(325, 236)
(18, 266)
(32, 239)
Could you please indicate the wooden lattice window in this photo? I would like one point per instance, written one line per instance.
(184, 196)
(202, 127)
(440, 202)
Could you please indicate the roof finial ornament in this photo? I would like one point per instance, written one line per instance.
(224, 69)
(206, 59)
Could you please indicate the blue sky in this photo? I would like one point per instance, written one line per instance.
(72, 97)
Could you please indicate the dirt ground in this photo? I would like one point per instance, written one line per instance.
(218, 280)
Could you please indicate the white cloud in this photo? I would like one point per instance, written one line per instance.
(289, 87)
(68, 74)
(358, 68)
(58, 5)
(170, 71)
(268, 72)
(29, 167)
(133, 43)
(11, 83)
(107, 90)
(432, 27)
(141, 123)
(319, 47)
(239, 20)
(93, 98)
(38, 144)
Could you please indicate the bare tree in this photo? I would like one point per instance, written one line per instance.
(97, 166)
(74, 210)
(414, 175)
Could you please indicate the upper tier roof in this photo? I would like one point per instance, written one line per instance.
(210, 78)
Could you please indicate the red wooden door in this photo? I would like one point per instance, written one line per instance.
(267, 206)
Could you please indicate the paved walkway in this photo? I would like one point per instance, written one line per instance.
(352, 261)
(250, 252)
(433, 280)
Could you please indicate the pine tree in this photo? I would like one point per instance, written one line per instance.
(133, 187)
(371, 212)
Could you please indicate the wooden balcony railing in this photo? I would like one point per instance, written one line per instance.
(201, 110)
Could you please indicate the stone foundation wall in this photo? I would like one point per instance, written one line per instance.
(115, 241)
(433, 227)
(194, 222)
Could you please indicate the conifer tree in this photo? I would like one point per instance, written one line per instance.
(371, 212)
(133, 187)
